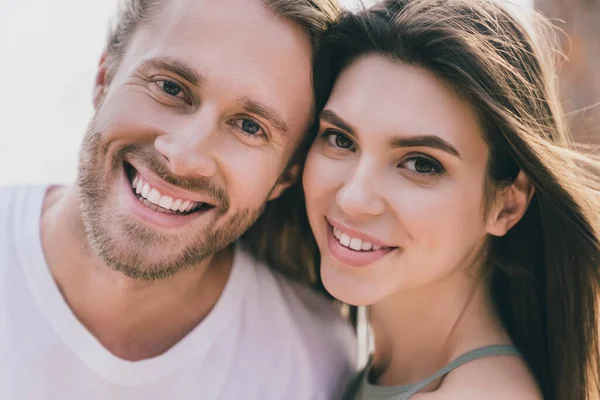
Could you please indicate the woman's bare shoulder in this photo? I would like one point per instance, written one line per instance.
(490, 378)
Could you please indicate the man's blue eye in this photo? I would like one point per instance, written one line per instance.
(250, 127)
(171, 88)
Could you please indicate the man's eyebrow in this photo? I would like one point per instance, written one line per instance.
(264, 111)
(425, 141)
(175, 66)
(332, 118)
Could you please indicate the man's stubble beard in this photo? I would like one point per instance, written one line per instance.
(128, 246)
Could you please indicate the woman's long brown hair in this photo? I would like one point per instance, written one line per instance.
(544, 275)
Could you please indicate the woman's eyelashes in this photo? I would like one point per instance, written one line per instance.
(422, 165)
(419, 164)
(338, 140)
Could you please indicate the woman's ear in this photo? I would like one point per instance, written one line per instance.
(100, 85)
(510, 205)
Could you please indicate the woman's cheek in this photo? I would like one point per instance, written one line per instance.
(322, 174)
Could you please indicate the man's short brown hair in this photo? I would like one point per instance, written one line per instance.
(314, 16)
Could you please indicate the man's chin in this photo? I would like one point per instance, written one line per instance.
(147, 273)
(140, 252)
(149, 265)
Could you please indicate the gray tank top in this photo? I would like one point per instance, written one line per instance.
(361, 389)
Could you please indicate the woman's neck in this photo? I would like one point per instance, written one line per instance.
(420, 331)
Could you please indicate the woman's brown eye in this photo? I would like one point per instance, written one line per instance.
(423, 166)
(342, 141)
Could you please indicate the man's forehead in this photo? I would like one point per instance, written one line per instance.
(250, 17)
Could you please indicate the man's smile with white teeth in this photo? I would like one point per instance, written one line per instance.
(155, 200)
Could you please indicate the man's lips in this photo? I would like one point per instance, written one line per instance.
(154, 214)
(150, 188)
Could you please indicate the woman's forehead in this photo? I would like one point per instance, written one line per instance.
(380, 97)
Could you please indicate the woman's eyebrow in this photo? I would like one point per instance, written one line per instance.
(332, 118)
(432, 141)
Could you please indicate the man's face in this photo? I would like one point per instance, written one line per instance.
(192, 134)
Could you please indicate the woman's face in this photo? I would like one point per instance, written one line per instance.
(395, 182)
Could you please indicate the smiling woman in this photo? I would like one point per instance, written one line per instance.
(445, 194)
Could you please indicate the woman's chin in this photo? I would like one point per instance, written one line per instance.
(345, 288)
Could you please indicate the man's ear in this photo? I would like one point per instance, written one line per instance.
(100, 83)
(510, 205)
(289, 177)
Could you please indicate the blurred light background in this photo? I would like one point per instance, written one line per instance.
(49, 50)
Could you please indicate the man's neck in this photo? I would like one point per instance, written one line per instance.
(133, 319)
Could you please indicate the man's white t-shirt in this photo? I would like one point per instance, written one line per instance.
(266, 338)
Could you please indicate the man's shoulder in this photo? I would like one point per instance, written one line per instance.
(19, 222)
(311, 328)
(17, 196)
(10, 195)
(312, 312)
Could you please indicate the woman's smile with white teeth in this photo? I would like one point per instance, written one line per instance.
(354, 243)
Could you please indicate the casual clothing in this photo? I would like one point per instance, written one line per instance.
(266, 338)
(361, 389)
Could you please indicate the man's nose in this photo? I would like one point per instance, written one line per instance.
(189, 144)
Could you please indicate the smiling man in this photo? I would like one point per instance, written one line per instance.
(131, 283)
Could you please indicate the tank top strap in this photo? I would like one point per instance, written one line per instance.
(488, 351)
